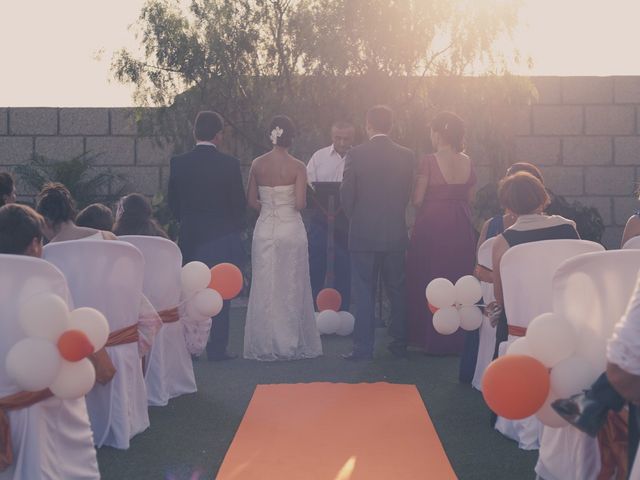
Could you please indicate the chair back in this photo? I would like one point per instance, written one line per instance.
(485, 259)
(527, 271)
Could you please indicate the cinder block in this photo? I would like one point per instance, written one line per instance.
(4, 121)
(612, 237)
(587, 151)
(623, 208)
(603, 204)
(123, 121)
(587, 90)
(612, 180)
(627, 89)
(153, 151)
(145, 180)
(15, 150)
(84, 121)
(549, 90)
(627, 150)
(610, 120)
(538, 150)
(59, 148)
(112, 150)
(33, 121)
(564, 180)
(557, 120)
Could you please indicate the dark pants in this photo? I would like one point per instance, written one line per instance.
(318, 236)
(226, 249)
(391, 266)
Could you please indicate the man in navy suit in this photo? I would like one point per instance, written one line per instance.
(206, 196)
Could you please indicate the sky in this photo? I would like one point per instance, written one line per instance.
(58, 52)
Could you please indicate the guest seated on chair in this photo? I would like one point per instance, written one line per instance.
(135, 217)
(20, 231)
(7, 189)
(96, 215)
(55, 204)
(526, 197)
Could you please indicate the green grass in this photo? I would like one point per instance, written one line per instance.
(194, 432)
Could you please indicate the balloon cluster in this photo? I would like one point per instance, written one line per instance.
(205, 289)
(564, 369)
(54, 353)
(330, 319)
(454, 306)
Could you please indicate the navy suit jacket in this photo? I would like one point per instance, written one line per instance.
(206, 196)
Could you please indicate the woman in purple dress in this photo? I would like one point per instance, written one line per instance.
(443, 240)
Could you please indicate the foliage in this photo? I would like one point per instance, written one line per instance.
(77, 174)
(316, 60)
(162, 214)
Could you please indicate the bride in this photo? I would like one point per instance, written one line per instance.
(280, 322)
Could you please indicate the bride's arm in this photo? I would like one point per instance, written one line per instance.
(252, 191)
(301, 187)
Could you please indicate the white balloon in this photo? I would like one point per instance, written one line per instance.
(441, 293)
(92, 323)
(551, 339)
(347, 322)
(208, 302)
(470, 318)
(193, 314)
(328, 322)
(74, 380)
(44, 316)
(572, 375)
(33, 363)
(468, 290)
(548, 415)
(446, 320)
(519, 346)
(195, 276)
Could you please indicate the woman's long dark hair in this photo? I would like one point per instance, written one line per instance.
(135, 217)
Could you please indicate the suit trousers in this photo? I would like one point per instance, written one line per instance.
(318, 237)
(391, 265)
(225, 249)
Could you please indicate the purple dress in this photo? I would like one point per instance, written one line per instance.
(442, 245)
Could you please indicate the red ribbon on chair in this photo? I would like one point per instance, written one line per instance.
(170, 315)
(516, 331)
(613, 440)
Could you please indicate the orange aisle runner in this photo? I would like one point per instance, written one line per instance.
(330, 431)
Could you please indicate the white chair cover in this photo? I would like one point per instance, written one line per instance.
(169, 372)
(632, 243)
(527, 271)
(51, 439)
(487, 342)
(592, 291)
(108, 275)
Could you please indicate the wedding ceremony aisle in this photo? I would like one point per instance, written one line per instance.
(190, 437)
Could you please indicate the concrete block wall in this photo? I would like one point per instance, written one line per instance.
(584, 132)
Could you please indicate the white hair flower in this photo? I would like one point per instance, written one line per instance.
(276, 133)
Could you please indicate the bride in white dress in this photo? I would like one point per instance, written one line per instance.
(280, 321)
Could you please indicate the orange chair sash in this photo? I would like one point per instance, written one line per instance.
(613, 440)
(170, 315)
(517, 331)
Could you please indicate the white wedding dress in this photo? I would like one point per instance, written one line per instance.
(280, 321)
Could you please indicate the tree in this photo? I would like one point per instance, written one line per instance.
(316, 60)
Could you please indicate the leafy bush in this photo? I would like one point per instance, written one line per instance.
(85, 184)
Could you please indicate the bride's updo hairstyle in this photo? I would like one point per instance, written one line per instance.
(451, 129)
(282, 131)
(55, 204)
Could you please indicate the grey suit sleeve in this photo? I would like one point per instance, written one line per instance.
(174, 199)
(348, 187)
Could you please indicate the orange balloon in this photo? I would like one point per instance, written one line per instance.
(74, 345)
(329, 299)
(226, 279)
(433, 309)
(515, 386)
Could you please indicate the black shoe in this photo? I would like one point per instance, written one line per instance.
(582, 412)
(222, 357)
(356, 357)
(398, 350)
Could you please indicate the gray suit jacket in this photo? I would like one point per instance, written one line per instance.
(375, 191)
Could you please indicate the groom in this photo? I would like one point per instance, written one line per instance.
(206, 196)
(375, 191)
